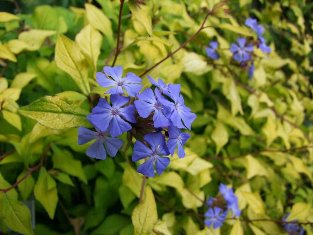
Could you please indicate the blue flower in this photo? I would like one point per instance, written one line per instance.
(215, 216)
(241, 51)
(162, 86)
(253, 24)
(230, 198)
(251, 71)
(211, 50)
(147, 103)
(262, 45)
(115, 118)
(112, 78)
(291, 227)
(154, 151)
(180, 115)
(97, 150)
(176, 139)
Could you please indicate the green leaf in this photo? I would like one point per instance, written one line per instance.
(237, 29)
(89, 41)
(145, 216)
(26, 186)
(141, 18)
(64, 161)
(4, 185)
(99, 21)
(195, 64)
(237, 229)
(219, 136)
(55, 113)
(132, 180)
(16, 215)
(46, 192)
(3, 84)
(69, 58)
(13, 118)
(112, 225)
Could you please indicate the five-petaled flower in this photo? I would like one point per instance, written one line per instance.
(211, 50)
(241, 50)
(114, 119)
(215, 216)
(112, 78)
(155, 151)
(103, 144)
(176, 139)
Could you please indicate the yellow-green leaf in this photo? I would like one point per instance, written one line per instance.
(6, 17)
(46, 192)
(300, 211)
(3, 84)
(141, 18)
(69, 58)
(145, 216)
(26, 186)
(22, 79)
(89, 41)
(219, 136)
(254, 167)
(99, 21)
(55, 113)
(13, 118)
(15, 215)
(5, 53)
(237, 229)
(132, 180)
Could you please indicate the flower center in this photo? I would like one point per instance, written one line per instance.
(157, 106)
(115, 112)
(120, 83)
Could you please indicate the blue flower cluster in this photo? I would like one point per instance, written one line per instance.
(155, 117)
(218, 207)
(242, 50)
(291, 227)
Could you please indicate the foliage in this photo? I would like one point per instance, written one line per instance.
(252, 134)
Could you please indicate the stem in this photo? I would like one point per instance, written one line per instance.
(6, 154)
(142, 190)
(191, 38)
(118, 41)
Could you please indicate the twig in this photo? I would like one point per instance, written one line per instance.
(118, 41)
(29, 172)
(142, 190)
(191, 38)
(7, 154)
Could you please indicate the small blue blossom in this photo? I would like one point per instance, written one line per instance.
(251, 71)
(180, 115)
(292, 228)
(163, 87)
(115, 118)
(253, 24)
(263, 47)
(176, 139)
(230, 198)
(215, 216)
(148, 103)
(112, 78)
(154, 151)
(241, 51)
(103, 144)
(211, 50)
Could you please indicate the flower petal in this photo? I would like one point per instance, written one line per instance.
(97, 150)
(115, 72)
(140, 151)
(85, 135)
(161, 163)
(147, 168)
(112, 145)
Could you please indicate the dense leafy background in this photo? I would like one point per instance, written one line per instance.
(255, 135)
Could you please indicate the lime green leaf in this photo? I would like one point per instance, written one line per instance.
(62, 177)
(237, 29)
(254, 167)
(4, 185)
(55, 113)
(99, 21)
(255, 202)
(46, 192)
(22, 79)
(230, 91)
(13, 118)
(141, 18)
(300, 211)
(6, 17)
(89, 41)
(30, 40)
(132, 180)
(237, 229)
(69, 58)
(194, 63)
(219, 136)
(145, 216)
(16, 215)
(64, 161)
(26, 186)
(112, 225)
(171, 179)
(161, 228)
(3, 84)
(5, 53)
